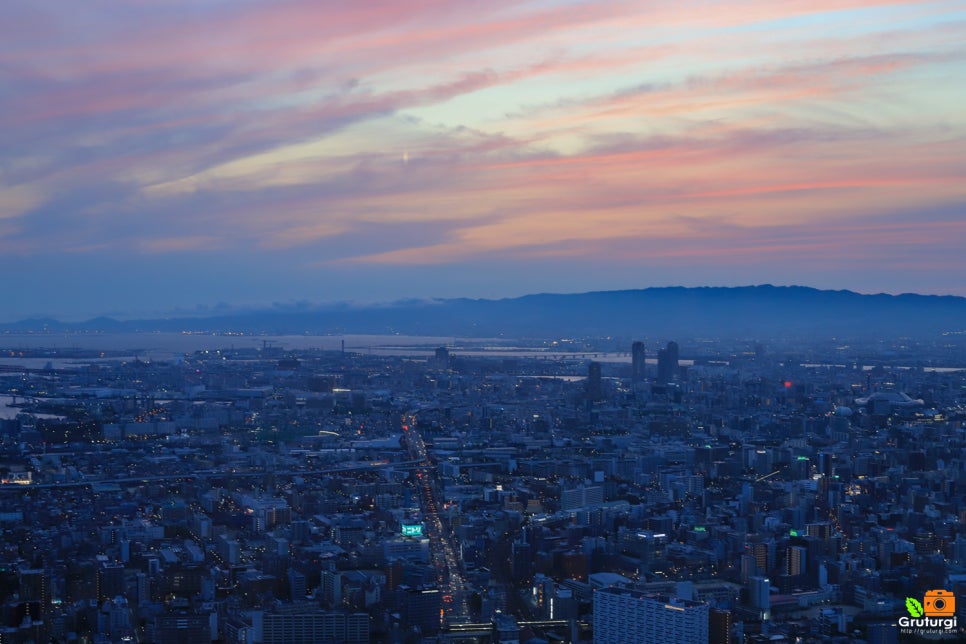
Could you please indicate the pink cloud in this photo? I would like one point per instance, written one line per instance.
(174, 98)
(180, 244)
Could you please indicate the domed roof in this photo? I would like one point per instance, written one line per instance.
(894, 398)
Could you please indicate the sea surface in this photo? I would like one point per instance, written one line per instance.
(167, 346)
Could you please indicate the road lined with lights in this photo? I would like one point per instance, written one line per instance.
(442, 550)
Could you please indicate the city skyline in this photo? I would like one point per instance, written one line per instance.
(160, 158)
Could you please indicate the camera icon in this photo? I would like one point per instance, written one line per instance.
(939, 603)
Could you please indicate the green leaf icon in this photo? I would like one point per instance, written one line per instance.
(914, 607)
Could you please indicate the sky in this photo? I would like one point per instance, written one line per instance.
(179, 156)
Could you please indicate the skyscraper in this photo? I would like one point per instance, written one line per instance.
(594, 387)
(667, 363)
(520, 561)
(719, 626)
(761, 595)
(296, 585)
(35, 587)
(638, 354)
(795, 561)
(441, 358)
(110, 581)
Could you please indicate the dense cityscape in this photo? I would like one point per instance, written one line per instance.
(514, 322)
(606, 490)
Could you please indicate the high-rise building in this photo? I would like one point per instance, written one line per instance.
(761, 594)
(441, 357)
(764, 554)
(719, 626)
(595, 389)
(110, 581)
(300, 531)
(420, 607)
(796, 561)
(143, 588)
(331, 588)
(645, 545)
(667, 363)
(749, 568)
(35, 588)
(296, 585)
(520, 561)
(114, 617)
(821, 530)
(638, 354)
(623, 615)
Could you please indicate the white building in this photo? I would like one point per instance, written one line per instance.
(626, 616)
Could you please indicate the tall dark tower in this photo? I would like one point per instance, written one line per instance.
(110, 581)
(719, 626)
(638, 354)
(35, 587)
(672, 351)
(442, 358)
(667, 363)
(594, 389)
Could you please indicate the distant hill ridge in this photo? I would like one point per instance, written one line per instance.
(746, 311)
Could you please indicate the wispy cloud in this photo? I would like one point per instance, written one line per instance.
(428, 133)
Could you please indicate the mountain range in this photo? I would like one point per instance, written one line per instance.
(763, 311)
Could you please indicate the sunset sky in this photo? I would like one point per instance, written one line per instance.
(183, 155)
